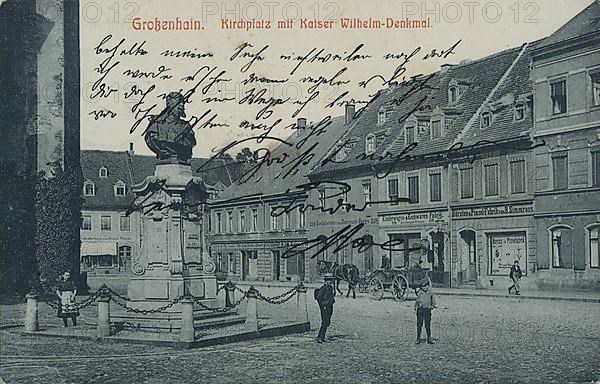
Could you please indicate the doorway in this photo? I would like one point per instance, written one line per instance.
(276, 264)
(399, 256)
(468, 255)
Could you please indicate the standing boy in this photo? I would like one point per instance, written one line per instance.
(423, 306)
(515, 276)
(325, 298)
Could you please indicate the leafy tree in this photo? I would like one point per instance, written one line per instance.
(58, 219)
(245, 156)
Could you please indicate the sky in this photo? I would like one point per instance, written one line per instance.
(483, 28)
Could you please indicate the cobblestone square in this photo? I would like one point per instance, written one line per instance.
(478, 340)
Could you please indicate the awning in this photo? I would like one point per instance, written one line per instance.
(97, 248)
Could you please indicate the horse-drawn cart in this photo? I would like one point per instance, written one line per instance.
(397, 281)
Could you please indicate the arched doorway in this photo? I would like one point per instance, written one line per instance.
(467, 256)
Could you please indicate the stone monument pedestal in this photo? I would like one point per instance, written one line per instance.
(173, 261)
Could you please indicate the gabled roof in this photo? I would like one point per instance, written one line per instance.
(118, 169)
(516, 88)
(478, 79)
(132, 169)
(584, 23)
(274, 178)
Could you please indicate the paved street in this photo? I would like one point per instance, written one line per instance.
(478, 340)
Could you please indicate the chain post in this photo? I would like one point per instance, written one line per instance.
(187, 319)
(31, 313)
(229, 294)
(103, 328)
(301, 304)
(251, 310)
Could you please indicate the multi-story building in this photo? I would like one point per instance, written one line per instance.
(110, 231)
(263, 214)
(446, 163)
(566, 73)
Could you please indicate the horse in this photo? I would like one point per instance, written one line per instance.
(346, 272)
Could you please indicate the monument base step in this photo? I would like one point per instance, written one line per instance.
(172, 320)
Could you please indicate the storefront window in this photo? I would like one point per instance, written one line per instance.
(561, 250)
(505, 249)
(594, 247)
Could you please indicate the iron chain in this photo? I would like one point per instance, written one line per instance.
(215, 310)
(280, 299)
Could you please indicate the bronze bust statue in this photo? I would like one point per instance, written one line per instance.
(168, 135)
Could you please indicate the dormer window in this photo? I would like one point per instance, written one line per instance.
(119, 188)
(370, 144)
(519, 112)
(340, 155)
(89, 188)
(436, 128)
(103, 172)
(381, 116)
(410, 135)
(486, 119)
(453, 92)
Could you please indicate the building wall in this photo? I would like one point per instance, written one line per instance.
(252, 250)
(565, 217)
(97, 241)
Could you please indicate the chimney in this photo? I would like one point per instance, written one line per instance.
(301, 123)
(349, 113)
(131, 148)
(444, 68)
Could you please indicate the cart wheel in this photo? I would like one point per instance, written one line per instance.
(400, 288)
(376, 289)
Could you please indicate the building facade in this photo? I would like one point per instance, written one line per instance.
(258, 221)
(566, 73)
(449, 164)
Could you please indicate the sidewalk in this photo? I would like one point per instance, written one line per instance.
(572, 296)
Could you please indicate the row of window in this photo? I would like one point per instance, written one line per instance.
(225, 223)
(562, 247)
(89, 188)
(106, 223)
(491, 179)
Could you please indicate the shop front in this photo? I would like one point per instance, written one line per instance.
(408, 229)
(489, 239)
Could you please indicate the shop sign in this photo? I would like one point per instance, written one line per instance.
(415, 218)
(505, 210)
(341, 222)
(505, 248)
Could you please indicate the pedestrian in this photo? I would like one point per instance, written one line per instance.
(66, 292)
(385, 262)
(423, 306)
(325, 298)
(515, 276)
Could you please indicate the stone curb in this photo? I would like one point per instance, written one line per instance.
(441, 292)
(270, 331)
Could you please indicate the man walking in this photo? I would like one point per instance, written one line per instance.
(515, 276)
(325, 298)
(423, 305)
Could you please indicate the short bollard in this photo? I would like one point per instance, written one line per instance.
(229, 294)
(251, 314)
(103, 316)
(187, 320)
(301, 308)
(31, 313)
